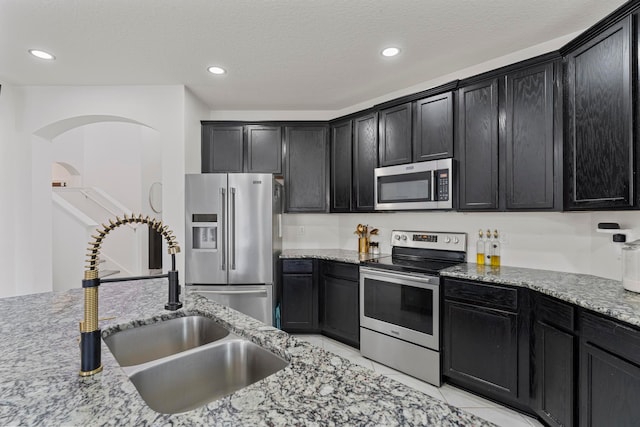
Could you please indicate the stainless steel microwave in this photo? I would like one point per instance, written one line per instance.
(416, 186)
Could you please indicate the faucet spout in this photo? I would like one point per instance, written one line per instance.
(90, 358)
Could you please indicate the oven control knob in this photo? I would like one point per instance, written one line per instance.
(404, 237)
(456, 240)
(397, 237)
(447, 239)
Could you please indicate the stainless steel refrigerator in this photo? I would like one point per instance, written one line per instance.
(233, 239)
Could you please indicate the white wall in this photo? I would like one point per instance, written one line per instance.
(562, 241)
(123, 159)
(10, 153)
(31, 117)
(194, 111)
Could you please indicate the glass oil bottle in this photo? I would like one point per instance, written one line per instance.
(480, 248)
(488, 248)
(495, 250)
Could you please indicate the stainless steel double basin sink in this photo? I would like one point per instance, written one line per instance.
(183, 363)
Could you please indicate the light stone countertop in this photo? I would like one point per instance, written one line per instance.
(605, 296)
(341, 255)
(601, 295)
(40, 359)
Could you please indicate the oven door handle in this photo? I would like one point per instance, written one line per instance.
(423, 279)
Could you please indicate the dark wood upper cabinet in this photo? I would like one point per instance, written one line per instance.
(341, 166)
(264, 149)
(395, 135)
(599, 149)
(307, 168)
(433, 128)
(365, 160)
(241, 148)
(478, 146)
(222, 148)
(529, 138)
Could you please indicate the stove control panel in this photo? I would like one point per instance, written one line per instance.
(451, 241)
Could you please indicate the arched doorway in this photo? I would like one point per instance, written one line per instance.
(102, 166)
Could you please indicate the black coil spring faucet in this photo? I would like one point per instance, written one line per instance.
(90, 360)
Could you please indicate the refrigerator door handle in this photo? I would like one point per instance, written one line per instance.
(223, 265)
(262, 293)
(280, 225)
(232, 217)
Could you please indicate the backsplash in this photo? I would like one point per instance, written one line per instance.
(552, 240)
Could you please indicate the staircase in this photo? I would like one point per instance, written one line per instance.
(77, 213)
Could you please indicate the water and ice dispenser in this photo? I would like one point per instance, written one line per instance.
(204, 231)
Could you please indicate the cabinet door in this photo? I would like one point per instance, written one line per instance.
(395, 135)
(478, 146)
(340, 309)
(365, 160)
(554, 375)
(433, 128)
(609, 389)
(222, 148)
(299, 302)
(599, 148)
(264, 149)
(307, 169)
(529, 144)
(481, 348)
(341, 160)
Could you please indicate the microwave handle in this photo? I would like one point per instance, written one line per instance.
(434, 186)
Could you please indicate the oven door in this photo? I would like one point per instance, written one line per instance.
(403, 306)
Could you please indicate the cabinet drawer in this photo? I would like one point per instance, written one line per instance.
(297, 266)
(554, 312)
(341, 270)
(610, 335)
(489, 295)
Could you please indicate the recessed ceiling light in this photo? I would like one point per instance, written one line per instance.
(390, 51)
(41, 54)
(216, 70)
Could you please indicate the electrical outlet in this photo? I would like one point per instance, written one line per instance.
(301, 230)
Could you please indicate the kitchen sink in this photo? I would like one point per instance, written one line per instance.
(151, 342)
(183, 383)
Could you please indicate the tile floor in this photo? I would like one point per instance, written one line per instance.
(483, 408)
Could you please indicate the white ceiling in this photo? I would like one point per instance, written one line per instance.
(280, 54)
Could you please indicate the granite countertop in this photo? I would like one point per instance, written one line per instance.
(598, 294)
(40, 360)
(342, 255)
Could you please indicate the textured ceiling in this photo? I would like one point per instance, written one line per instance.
(280, 54)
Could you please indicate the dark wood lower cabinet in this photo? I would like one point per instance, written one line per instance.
(340, 313)
(609, 389)
(299, 296)
(481, 348)
(554, 375)
(321, 297)
(298, 303)
(609, 373)
(554, 361)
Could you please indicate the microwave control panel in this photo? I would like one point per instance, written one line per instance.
(442, 185)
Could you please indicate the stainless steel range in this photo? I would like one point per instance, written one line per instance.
(400, 301)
